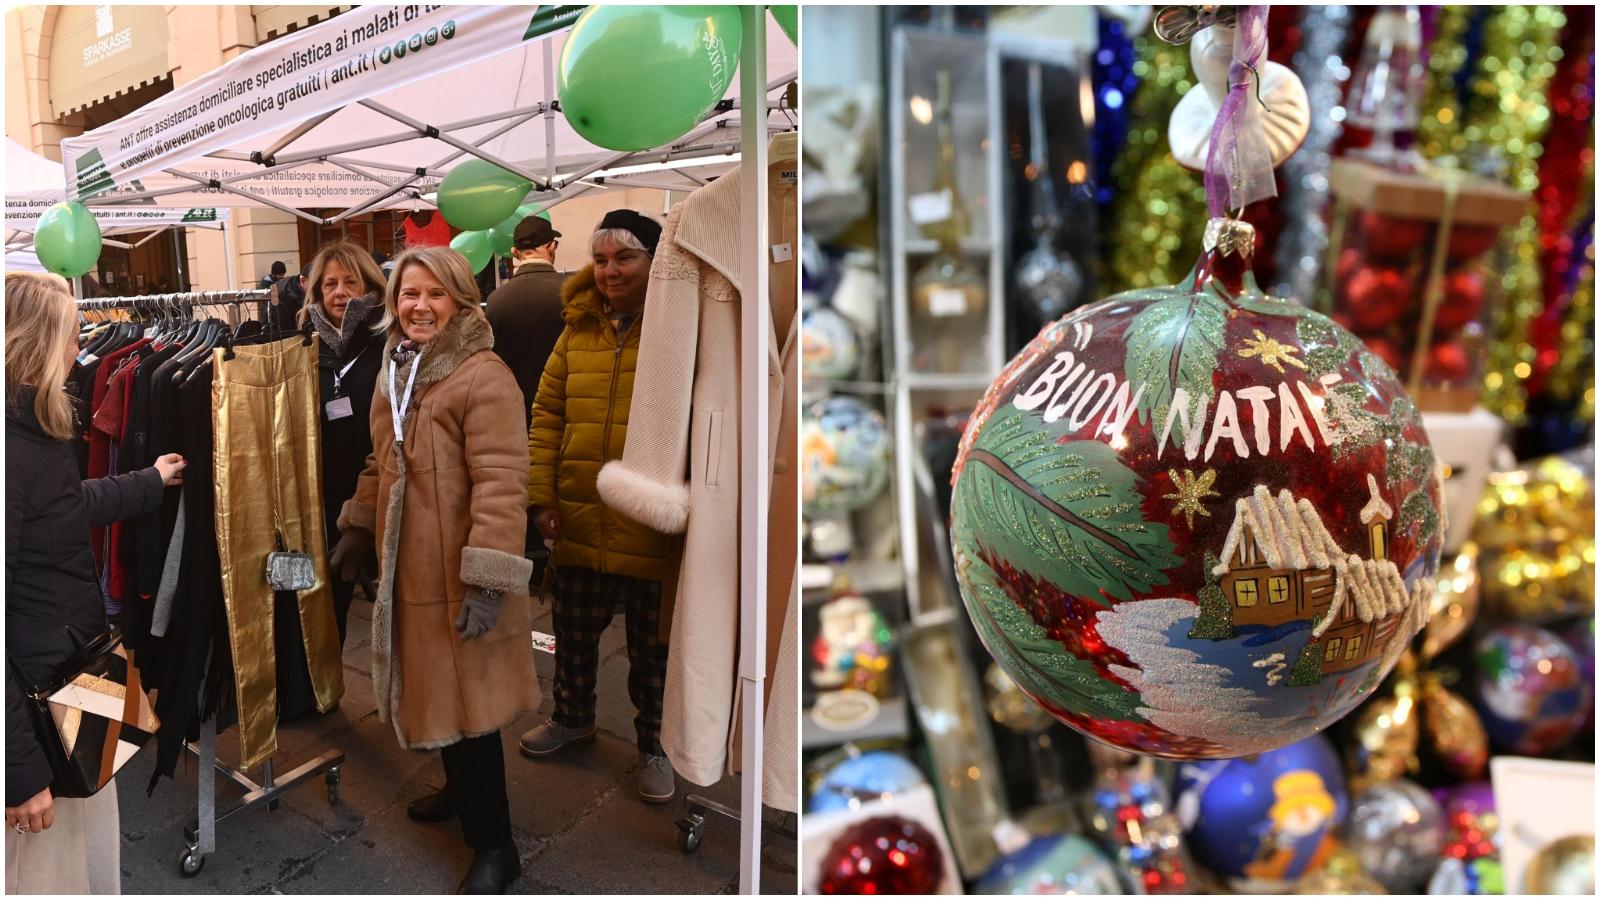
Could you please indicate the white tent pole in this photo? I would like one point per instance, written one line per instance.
(549, 119)
(227, 256)
(453, 141)
(754, 325)
(297, 133)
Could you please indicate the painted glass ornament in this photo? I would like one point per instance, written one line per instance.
(1197, 521)
(1266, 822)
(1130, 810)
(877, 775)
(1052, 864)
(883, 855)
(1530, 689)
(854, 647)
(844, 456)
(1397, 830)
(829, 348)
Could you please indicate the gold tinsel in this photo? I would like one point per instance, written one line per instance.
(1507, 111)
(1153, 236)
(1572, 377)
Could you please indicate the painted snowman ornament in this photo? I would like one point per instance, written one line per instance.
(1197, 522)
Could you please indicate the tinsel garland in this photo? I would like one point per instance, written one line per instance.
(1115, 83)
(1153, 237)
(1303, 192)
(1505, 111)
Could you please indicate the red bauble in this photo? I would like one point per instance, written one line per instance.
(1448, 363)
(1387, 350)
(1386, 237)
(1376, 296)
(1468, 241)
(883, 855)
(1349, 264)
(1462, 301)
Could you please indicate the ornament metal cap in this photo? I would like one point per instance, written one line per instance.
(1230, 237)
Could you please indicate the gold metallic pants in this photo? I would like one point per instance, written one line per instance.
(264, 411)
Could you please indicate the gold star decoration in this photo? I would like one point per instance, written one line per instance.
(1270, 351)
(1191, 492)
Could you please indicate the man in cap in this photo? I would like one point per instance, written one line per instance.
(525, 313)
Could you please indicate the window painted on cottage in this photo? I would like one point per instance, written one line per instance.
(1244, 592)
(1353, 648)
(1332, 653)
(1380, 540)
(1277, 589)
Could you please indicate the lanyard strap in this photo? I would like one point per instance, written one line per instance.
(398, 414)
(338, 376)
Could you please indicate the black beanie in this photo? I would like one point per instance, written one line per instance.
(641, 226)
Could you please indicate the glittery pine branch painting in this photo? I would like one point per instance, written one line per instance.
(1195, 521)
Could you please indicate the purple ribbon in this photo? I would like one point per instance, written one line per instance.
(1238, 161)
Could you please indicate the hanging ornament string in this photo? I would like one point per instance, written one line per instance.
(1239, 162)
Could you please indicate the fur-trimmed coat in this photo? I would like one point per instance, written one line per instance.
(680, 474)
(448, 512)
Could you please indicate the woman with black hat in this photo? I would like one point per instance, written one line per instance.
(600, 557)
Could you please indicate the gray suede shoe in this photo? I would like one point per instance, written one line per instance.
(656, 781)
(551, 737)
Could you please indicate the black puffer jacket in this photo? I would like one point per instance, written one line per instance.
(53, 603)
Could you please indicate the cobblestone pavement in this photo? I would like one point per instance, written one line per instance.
(577, 819)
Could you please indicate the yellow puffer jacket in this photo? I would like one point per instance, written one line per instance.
(579, 422)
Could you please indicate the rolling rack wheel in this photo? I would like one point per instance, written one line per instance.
(331, 778)
(691, 829)
(191, 861)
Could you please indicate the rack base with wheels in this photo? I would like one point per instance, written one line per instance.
(200, 837)
(692, 827)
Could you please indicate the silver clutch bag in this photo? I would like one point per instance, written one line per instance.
(290, 571)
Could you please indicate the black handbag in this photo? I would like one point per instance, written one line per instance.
(91, 718)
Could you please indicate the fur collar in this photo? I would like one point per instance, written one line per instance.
(580, 298)
(464, 335)
(356, 315)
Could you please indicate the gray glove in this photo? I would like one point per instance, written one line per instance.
(348, 555)
(480, 609)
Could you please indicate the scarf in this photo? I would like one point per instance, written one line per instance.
(356, 313)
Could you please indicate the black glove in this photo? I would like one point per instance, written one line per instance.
(480, 609)
(348, 555)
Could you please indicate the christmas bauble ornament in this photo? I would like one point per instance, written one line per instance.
(1349, 264)
(1388, 237)
(883, 855)
(1448, 363)
(1342, 875)
(877, 775)
(1469, 241)
(1010, 707)
(829, 348)
(1564, 866)
(1377, 296)
(1264, 822)
(1455, 731)
(1052, 864)
(1580, 638)
(1455, 603)
(844, 456)
(1048, 279)
(1530, 690)
(1397, 830)
(853, 648)
(1196, 521)
(1462, 301)
(1470, 821)
(1387, 733)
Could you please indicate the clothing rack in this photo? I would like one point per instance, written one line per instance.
(184, 302)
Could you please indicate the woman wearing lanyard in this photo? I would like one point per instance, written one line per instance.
(346, 308)
(444, 495)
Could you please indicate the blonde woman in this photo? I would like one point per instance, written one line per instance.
(444, 495)
(53, 604)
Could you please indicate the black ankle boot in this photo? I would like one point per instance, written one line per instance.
(435, 807)
(492, 871)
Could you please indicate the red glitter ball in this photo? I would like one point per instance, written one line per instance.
(1376, 296)
(1387, 237)
(883, 855)
(1468, 241)
(1462, 301)
(1448, 363)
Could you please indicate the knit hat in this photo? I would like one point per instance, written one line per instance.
(641, 226)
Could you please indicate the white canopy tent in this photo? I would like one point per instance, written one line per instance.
(370, 109)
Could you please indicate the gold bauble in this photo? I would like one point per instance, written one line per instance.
(1564, 866)
(1342, 874)
(1455, 731)
(1387, 734)
(1010, 707)
(1454, 606)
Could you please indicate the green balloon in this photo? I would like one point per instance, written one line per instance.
(637, 77)
(477, 195)
(503, 234)
(67, 239)
(788, 18)
(476, 246)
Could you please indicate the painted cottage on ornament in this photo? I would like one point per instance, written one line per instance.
(1279, 564)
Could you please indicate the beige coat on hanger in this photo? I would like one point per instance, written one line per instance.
(680, 473)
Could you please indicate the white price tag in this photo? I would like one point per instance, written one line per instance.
(545, 643)
(929, 208)
(338, 409)
(947, 302)
(782, 253)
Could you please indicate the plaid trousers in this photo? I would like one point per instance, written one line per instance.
(584, 600)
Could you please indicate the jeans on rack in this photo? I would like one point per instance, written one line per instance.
(475, 771)
(265, 413)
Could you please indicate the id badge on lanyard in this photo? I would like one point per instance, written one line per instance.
(339, 407)
(398, 414)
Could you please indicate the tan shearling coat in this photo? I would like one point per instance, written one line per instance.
(680, 474)
(449, 511)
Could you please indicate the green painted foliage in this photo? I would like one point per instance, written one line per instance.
(1307, 666)
(1069, 513)
(1174, 343)
(1215, 622)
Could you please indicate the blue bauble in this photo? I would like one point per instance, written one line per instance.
(870, 776)
(1531, 690)
(1052, 864)
(1264, 822)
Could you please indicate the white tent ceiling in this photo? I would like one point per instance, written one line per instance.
(359, 142)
